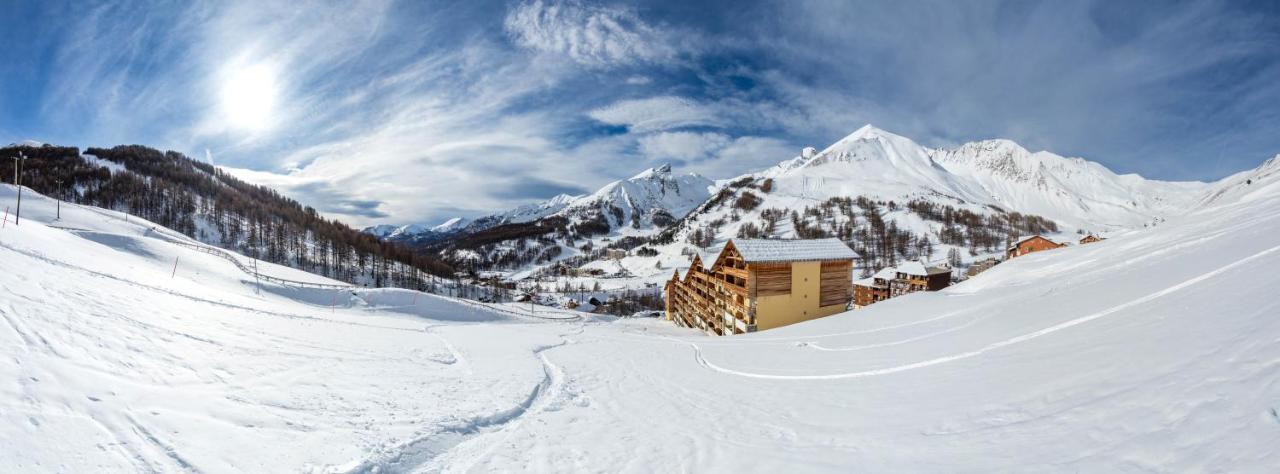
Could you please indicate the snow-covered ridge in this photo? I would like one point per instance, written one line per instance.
(651, 193)
(1072, 191)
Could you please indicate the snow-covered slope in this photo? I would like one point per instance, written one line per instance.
(1073, 191)
(635, 201)
(655, 193)
(1153, 351)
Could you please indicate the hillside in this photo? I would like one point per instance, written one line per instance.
(888, 197)
(118, 360)
(200, 201)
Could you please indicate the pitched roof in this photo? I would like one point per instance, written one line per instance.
(792, 250)
(1026, 238)
(886, 273)
(869, 282)
(919, 268)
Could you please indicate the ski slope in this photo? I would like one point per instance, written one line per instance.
(1155, 350)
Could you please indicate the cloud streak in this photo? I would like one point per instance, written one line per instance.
(416, 111)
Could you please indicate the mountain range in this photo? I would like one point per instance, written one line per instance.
(872, 188)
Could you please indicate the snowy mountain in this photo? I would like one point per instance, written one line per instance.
(125, 348)
(26, 143)
(654, 197)
(1072, 191)
(453, 224)
(655, 193)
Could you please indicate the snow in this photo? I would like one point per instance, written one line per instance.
(1154, 350)
(792, 250)
(453, 224)
(105, 163)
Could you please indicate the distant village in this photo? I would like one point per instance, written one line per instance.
(760, 284)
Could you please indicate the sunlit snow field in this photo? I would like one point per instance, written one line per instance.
(1156, 350)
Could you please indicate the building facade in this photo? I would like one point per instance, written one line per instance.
(892, 282)
(755, 285)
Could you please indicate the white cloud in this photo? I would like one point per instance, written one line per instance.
(685, 146)
(591, 35)
(657, 113)
(638, 80)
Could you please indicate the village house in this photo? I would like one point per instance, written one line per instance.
(874, 288)
(1030, 244)
(757, 284)
(615, 254)
(892, 282)
(915, 276)
(1089, 239)
(981, 266)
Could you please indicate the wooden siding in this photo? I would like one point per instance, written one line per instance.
(836, 280)
(772, 279)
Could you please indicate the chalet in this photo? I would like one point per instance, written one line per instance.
(891, 282)
(754, 285)
(1089, 239)
(615, 254)
(874, 288)
(915, 276)
(982, 266)
(1026, 245)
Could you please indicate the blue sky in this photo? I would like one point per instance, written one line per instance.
(416, 111)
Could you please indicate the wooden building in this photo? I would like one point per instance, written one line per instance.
(982, 266)
(755, 284)
(891, 282)
(1089, 239)
(873, 289)
(1031, 244)
(916, 276)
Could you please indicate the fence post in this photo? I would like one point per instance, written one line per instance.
(6, 217)
(175, 268)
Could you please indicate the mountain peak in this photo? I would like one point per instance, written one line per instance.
(868, 132)
(664, 169)
(450, 225)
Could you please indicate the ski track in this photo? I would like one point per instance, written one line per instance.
(701, 360)
(424, 452)
(820, 347)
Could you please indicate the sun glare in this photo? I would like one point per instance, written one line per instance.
(248, 97)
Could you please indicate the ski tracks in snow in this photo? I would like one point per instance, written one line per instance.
(455, 446)
(701, 360)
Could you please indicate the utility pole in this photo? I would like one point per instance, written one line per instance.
(17, 170)
(59, 198)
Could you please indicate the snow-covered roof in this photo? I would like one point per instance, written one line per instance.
(868, 282)
(792, 250)
(1026, 238)
(886, 273)
(919, 268)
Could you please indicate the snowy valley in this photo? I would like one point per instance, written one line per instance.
(889, 198)
(125, 351)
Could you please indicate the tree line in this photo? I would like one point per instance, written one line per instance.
(203, 202)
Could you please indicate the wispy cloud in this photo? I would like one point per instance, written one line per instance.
(657, 113)
(414, 111)
(594, 35)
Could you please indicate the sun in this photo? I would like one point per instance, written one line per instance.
(248, 97)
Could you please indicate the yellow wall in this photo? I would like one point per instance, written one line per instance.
(800, 305)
